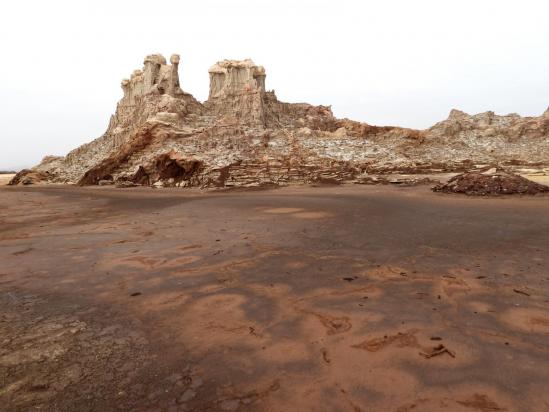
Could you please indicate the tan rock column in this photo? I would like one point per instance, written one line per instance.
(173, 86)
(151, 70)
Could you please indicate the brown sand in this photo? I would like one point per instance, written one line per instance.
(5, 178)
(308, 299)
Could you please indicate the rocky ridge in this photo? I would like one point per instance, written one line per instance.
(244, 136)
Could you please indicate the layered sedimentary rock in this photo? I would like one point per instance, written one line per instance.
(237, 89)
(244, 136)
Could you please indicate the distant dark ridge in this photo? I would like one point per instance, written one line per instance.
(7, 172)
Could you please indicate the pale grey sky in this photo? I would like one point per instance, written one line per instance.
(385, 62)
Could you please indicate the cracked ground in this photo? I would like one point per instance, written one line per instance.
(304, 299)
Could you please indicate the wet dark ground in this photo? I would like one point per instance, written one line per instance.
(298, 299)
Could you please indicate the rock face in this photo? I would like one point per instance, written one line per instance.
(490, 182)
(237, 89)
(244, 136)
(233, 77)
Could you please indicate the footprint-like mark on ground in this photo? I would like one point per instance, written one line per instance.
(400, 340)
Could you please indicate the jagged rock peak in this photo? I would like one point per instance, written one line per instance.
(235, 77)
(457, 114)
(155, 77)
(154, 59)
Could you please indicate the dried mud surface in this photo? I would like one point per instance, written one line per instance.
(309, 299)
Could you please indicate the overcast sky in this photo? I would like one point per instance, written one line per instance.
(385, 62)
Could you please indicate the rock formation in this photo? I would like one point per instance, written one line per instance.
(490, 182)
(237, 89)
(244, 136)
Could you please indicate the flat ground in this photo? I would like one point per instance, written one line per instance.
(300, 299)
(5, 178)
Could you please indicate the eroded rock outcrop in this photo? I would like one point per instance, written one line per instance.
(244, 136)
(237, 90)
(491, 182)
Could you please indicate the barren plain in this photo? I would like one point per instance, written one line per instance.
(359, 298)
(5, 178)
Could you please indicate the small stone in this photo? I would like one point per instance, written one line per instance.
(186, 396)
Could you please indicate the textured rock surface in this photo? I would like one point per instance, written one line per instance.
(243, 136)
(237, 89)
(490, 182)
